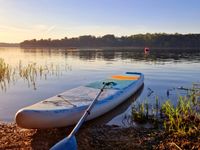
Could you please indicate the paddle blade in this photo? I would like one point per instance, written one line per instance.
(66, 143)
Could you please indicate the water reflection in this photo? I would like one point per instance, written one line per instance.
(161, 55)
(119, 110)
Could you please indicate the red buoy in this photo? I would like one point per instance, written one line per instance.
(146, 50)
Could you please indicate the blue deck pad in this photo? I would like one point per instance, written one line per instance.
(120, 84)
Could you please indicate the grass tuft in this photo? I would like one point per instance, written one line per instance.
(182, 119)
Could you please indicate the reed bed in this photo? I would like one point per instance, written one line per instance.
(5, 74)
(30, 73)
(182, 119)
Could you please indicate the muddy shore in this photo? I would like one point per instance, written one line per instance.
(95, 137)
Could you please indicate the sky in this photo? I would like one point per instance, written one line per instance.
(36, 19)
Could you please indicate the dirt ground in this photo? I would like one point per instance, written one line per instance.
(97, 137)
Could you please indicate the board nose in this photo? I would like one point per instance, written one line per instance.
(19, 118)
(23, 119)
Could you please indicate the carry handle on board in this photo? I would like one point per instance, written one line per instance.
(69, 143)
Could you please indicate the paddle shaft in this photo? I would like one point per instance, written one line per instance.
(87, 112)
(70, 142)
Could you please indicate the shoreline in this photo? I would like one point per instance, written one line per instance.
(93, 137)
(82, 48)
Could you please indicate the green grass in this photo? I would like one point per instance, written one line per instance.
(182, 119)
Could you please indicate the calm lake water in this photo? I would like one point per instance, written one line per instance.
(163, 69)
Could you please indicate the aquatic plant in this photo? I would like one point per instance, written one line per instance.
(5, 74)
(182, 119)
(145, 112)
(29, 73)
(138, 112)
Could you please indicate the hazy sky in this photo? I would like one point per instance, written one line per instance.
(28, 19)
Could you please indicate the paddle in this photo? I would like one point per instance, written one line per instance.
(69, 143)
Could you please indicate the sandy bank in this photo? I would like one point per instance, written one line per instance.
(96, 137)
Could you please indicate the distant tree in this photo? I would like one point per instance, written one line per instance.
(109, 40)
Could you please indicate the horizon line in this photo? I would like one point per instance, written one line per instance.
(96, 36)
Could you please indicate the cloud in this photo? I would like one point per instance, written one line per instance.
(13, 28)
(50, 29)
(36, 28)
(43, 28)
(19, 33)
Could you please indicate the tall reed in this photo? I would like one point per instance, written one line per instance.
(5, 74)
(29, 73)
(182, 119)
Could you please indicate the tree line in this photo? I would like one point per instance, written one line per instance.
(139, 40)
